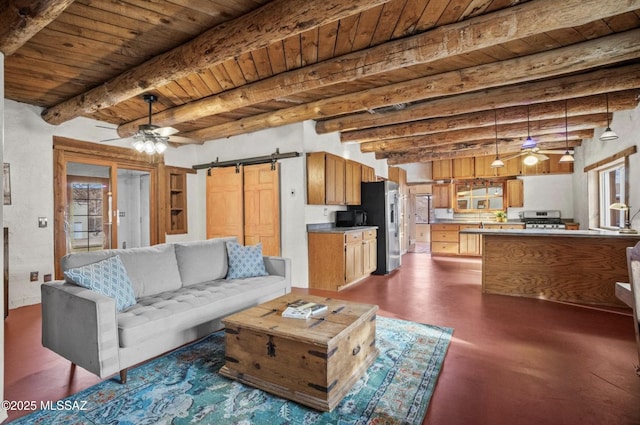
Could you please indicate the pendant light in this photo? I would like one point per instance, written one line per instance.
(608, 133)
(497, 163)
(567, 157)
(529, 143)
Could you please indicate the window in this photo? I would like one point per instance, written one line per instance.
(479, 195)
(611, 190)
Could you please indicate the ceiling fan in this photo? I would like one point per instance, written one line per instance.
(153, 139)
(531, 155)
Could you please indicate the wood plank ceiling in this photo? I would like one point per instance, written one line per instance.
(411, 80)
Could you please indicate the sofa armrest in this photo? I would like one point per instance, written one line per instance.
(279, 266)
(81, 326)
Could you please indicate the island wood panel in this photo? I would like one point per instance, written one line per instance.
(570, 269)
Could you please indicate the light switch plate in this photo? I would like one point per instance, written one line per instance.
(42, 221)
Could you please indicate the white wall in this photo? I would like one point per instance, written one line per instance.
(627, 125)
(3, 412)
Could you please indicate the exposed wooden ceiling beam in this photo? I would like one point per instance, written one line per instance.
(590, 83)
(486, 147)
(22, 19)
(517, 22)
(272, 22)
(516, 130)
(618, 101)
(575, 58)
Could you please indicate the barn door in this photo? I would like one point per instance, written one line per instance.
(225, 204)
(262, 207)
(245, 202)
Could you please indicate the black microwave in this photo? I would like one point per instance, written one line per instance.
(351, 218)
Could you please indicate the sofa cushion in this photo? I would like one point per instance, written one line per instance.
(202, 261)
(107, 277)
(193, 305)
(151, 269)
(245, 261)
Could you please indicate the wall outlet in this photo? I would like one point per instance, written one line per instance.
(33, 276)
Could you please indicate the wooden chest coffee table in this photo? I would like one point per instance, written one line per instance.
(314, 362)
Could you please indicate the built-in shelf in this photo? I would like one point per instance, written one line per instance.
(177, 211)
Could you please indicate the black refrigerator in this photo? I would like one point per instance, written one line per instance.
(380, 201)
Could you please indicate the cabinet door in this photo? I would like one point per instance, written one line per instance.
(441, 169)
(335, 180)
(464, 168)
(353, 176)
(353, 261)
(515, 193)
(369, 251)
(368, 174)
(512, 167)
(557, 167)
(441, 195)
(483, 166)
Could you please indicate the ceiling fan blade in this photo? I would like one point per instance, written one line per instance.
(540, 156)
(165, 131)
(507, 158)
(184, 140)
(114, 139)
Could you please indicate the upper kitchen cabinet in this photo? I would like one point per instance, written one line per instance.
(441, 169)
(464, 168)
(368, 174)
(441, 195)
(325, 179)
(483, 167)
(515, 193)
(353, 178)
(512, 167)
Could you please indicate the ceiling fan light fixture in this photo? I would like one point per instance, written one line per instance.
(150, 147)
(138, 145)
(161, 147)
(608, 133)
(530, 160)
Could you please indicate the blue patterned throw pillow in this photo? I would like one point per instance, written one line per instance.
(245, 261)
(107, 277)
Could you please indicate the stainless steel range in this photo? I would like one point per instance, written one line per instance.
(542, 220)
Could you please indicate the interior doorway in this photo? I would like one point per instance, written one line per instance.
(102, 202)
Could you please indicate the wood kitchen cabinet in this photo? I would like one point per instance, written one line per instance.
(353, 178)
(469, 243)
(483, 166)
(339, 259)
(441, 169)
(515, 193)
(325, 179)
(368, 174)
(441, 195)
(444, 239)
(464, 168)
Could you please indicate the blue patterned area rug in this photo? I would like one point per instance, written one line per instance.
(183, 387)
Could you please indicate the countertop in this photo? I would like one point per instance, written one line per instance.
(477, 222)
(553, 233)
(333, 229)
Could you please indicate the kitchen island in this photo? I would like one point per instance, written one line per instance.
(578, 266)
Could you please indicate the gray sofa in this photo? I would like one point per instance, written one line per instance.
(181, 295)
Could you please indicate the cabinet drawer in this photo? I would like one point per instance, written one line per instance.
(444, 247)
(369, 234)
(444, 236)
(450, 227)
(352, 237)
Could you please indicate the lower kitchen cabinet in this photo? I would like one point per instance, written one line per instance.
(338, 259)
(444, 238)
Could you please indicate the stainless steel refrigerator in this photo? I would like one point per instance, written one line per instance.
(380, 201)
